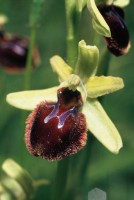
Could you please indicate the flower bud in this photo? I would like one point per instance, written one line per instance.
(118, 43)
(57, 129)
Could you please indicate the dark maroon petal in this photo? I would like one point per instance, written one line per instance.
(56, 130)
(13, 52)
(118, 43)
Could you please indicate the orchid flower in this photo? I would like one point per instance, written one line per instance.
(61, 115)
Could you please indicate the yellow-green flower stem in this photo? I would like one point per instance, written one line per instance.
(80, 163)
(29, 59)
(78, 168)
(34, 23)
(86, 157)
(59, 186)
(72, 27)
(85, 162)
(72, 31)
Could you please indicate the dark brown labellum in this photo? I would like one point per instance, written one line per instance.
(13, 52)
(118, 43)
(57, 129)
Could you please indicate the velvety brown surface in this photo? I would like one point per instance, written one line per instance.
(56, 130)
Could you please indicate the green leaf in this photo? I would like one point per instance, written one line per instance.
(61, 68)
(98, 86)
(28, 100)
(101, 126)
(99, 23)
(87, 60)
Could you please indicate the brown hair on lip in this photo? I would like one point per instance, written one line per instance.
(54, 132)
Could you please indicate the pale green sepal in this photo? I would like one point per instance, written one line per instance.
(20, 175)
(102, 85)
(99, 22)
(97, 27)
(4, 195)
(101, 126)
(121, 3)
(74, 83)
(61, 68)
(87, 62)
(28, 100)
(13, 190)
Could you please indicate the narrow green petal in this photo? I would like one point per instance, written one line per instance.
(98, 28)
(87, 62)
(28, 100)
(99, 22)
(98, 86)
(101, 126)
(121, 3)
(61, 68)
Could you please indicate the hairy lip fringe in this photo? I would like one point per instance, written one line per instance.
(57, 129)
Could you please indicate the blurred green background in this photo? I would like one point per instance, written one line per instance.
(111, 173)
